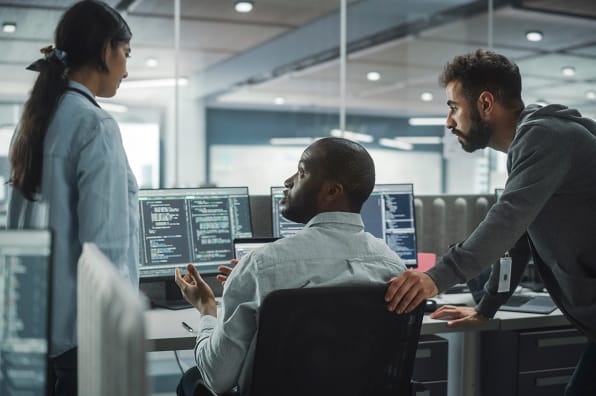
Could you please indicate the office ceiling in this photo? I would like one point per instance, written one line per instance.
(283, 50)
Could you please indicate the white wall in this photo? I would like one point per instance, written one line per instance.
(260, 167)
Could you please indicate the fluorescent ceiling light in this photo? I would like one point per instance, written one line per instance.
(395, 143)
(591, 95)
(151, 62)
(116, 108)
(279, 101)
(157, 83)
(426, 96)
(303, 141)
(243, 6)
(355, 136)
(534, 35)
(568, 71)
(373, 76)
(425, 121)
(420, 139)
(9, 27)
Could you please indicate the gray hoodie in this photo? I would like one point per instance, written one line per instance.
(551, 194)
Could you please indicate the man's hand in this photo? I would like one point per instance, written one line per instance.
(226, 271)
(407, 291)
(196, 291)
(459, 316)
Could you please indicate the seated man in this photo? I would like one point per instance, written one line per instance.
(334, 178)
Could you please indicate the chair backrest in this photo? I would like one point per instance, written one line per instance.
(334, 341)
(111, 330)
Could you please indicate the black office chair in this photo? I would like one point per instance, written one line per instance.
(334, 341)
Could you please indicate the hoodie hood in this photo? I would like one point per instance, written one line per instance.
(537, 115)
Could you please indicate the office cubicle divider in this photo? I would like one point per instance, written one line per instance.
(110, 328)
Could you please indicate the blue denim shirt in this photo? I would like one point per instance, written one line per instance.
(88, 194)
(332, 249)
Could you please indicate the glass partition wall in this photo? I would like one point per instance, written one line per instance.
(226, 89)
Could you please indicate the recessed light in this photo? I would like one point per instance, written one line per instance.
(534, 35)
(151, 62)
(244, 6)
(279, 101)
(426, 96)
(9, 27)
(373, 76)
(568, 71)
(591, 95)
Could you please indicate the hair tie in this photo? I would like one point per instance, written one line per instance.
(49, 52)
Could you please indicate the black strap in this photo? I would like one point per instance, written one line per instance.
(85, 94)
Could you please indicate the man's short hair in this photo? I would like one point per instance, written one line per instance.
(351, 165)
(486, 71)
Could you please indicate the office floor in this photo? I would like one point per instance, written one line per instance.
(164, 371)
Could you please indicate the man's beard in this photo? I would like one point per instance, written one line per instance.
(478, 135)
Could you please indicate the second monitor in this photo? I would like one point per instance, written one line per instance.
(387, 214)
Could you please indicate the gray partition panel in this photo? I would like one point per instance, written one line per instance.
(445, 219)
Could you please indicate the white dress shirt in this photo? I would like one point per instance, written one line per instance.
(332, 249)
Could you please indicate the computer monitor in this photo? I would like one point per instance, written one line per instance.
(387, 214)
(190, 225)
(243, 246)
(25, 311)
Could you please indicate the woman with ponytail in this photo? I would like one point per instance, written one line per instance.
(69, 171)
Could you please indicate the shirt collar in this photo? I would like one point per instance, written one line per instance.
(74, 84)
(337, 217)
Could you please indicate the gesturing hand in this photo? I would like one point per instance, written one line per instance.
(226, 271)
(196, 291)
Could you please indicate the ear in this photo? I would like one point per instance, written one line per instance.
(333, 191)
(106, 53)
(486, 103)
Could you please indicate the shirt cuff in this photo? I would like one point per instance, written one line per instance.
(207, 324)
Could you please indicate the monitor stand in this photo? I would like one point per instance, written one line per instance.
(165, 293)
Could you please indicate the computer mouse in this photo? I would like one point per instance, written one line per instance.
(430, 306)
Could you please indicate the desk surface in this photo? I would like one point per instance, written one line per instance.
(164, 330)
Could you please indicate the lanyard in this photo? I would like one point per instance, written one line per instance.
(85, 94)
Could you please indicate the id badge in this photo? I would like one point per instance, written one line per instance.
(504, 274)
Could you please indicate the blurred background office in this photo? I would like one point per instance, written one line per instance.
(257, 81)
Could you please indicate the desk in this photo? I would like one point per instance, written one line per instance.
(165, 332)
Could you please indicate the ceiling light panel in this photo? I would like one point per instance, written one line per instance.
(243, 6)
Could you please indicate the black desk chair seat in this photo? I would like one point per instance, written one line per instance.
(334, 341)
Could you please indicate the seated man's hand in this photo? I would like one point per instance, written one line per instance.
(196, 291)
(226, 271)
(459, 316)
(407, 291)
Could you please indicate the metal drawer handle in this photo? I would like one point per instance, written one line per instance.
(561, 341)
(560, 380)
